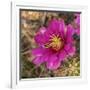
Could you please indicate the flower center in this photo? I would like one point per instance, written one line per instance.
(55, 42)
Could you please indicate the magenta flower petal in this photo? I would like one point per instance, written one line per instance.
(70, 49)
(38, 51)
(42, 30)
(61, 26)
(38, 61)
(40, 36)
(77, 20)
(62, 55)
(53, 62)
(40, 39)
(69, 33)
(42, 55)
(53, 25)
(73, 30)
(56, 26)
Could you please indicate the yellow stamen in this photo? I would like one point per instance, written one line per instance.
(55, 42)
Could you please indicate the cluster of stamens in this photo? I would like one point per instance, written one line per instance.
(55, 42)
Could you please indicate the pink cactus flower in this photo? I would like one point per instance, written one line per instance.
(55, 43)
